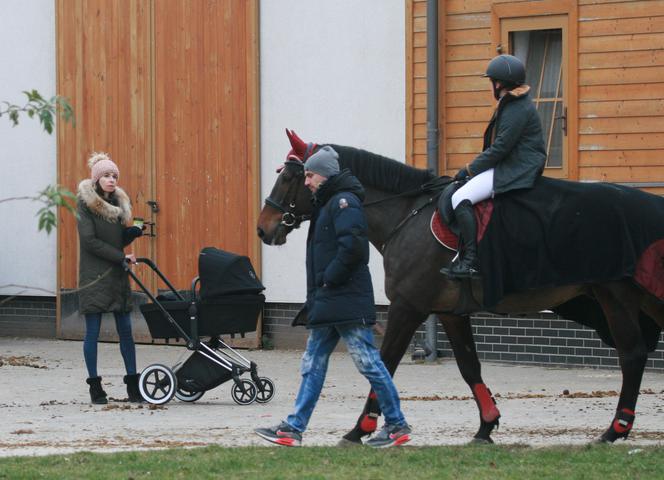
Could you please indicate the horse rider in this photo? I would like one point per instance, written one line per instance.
(340, 302)
(513, 157)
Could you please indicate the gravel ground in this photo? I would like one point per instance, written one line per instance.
(45, 409)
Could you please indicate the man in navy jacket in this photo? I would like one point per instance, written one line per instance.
(340, 302)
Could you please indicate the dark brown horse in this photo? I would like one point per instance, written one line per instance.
(398, 211)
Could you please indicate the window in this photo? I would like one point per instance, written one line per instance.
(541, 51)
(540, 42)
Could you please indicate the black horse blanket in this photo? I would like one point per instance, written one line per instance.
(563, 233)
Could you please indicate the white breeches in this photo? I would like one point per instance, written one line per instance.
(478, 188)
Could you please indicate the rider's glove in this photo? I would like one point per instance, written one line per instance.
(461, 175)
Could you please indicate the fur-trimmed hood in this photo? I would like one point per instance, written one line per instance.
(97, 205)
(520, 91)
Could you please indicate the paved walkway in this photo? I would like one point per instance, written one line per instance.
(44, 404)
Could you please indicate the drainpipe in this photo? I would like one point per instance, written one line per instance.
(432, 141)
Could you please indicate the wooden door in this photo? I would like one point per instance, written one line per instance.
(103, 47)
(169, 89)
(205, 154)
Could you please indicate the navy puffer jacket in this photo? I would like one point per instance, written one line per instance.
(339, 288)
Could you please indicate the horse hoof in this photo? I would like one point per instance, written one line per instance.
(481, 441)
(344, 442)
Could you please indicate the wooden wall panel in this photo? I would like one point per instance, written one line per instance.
(416, 86)
(103, 46)
(468, 100)
(606, 10)
(616, 107)
(621, 93)
(642, 58)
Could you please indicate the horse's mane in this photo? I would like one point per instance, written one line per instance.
(381, 172)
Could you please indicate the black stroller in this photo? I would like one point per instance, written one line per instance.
(228, 302)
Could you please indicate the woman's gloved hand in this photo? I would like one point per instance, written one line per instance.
(461, 175)
(131, 233)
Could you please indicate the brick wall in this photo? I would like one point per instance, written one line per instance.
(540, 339)
(27, 316)
(277, 318)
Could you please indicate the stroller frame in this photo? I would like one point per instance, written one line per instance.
(216, 351)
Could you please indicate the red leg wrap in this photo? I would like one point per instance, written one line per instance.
(488, 410)
(623, 420)
(368, 423)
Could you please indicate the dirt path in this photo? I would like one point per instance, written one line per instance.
(44, 405)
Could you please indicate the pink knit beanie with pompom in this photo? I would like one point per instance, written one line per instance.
(100, 163)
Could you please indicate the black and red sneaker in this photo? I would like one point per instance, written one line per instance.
(282, 434)
(390, 436)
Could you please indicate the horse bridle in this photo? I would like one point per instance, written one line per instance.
(289, 218)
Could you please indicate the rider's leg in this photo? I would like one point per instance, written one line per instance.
(475, 190)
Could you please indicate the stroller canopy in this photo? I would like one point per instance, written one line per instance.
(225, 273)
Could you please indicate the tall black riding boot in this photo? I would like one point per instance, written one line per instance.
(467, 265)
(133, 392)
(97, 394)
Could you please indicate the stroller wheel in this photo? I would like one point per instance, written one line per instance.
(187, 396)
(244, 392)
(157, 384)
(265, 390)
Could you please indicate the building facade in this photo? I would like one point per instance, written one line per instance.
(191, 99)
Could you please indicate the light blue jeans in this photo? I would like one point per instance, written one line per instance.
(359, 341)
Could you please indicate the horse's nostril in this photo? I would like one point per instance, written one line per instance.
(260, 232)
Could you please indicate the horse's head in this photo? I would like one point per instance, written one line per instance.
(289, 202)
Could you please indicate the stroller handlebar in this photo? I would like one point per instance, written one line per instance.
(153, 266)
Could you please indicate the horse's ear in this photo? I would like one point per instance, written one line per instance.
(299, 146)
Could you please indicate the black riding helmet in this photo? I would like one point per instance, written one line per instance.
(508, 69)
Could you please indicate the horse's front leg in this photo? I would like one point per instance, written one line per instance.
(621, 304)
(460, 335)
(402, 321)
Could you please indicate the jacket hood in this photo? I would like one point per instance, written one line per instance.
(520, 91)
(97, 205)
(342, 182)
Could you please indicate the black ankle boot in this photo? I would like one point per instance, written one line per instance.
(467, 264)
(97, 394)
(133, 392)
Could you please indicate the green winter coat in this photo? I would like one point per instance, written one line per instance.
(100, 232)
(513, 144)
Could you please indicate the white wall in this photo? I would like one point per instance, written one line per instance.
(27, 153)
(333, 71)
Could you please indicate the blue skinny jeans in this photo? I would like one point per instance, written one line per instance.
(127, 348)
(359, 341)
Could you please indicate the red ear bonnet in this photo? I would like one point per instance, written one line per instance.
(300, 150)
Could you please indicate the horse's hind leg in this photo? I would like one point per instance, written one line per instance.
(621, 304)
(459, 333)
(402, 321)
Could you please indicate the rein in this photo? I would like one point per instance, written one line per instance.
(434, 186)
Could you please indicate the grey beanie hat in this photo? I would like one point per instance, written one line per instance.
(324, 162)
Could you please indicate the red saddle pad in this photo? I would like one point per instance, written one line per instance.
(444, 235)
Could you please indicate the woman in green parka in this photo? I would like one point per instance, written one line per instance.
(104, 213)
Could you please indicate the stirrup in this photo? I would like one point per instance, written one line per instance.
(450, 272)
